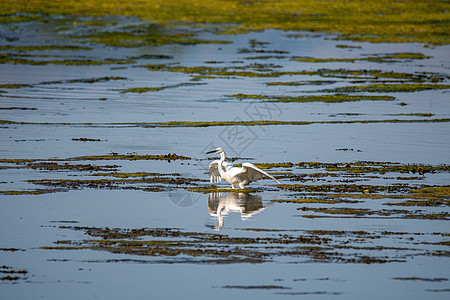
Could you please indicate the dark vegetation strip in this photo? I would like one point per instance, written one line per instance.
(171, 124)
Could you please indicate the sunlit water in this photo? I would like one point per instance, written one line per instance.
(57, 113)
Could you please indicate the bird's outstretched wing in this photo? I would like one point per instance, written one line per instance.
(214, 175)
(255, 173)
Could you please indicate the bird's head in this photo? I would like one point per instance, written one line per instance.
(217, 150)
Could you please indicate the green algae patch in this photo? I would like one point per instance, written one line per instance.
(141, 90)
(259, 51)
(397, 57)
(426, 196)
(170, 245)
(143, 34)
(299, 83)
(14, 85)
(85, 80)
(133, 174)
(346, 188)
(365, 212)
(365, 195)
(429, 115)
(378, 21)
(406, 195)
(281, 123)
(86, 140)
(168, 157)
(9, 274)
(365, 75)
(17, 160)
(150, 56)
(52, 166)
(424, 202)
(442, 192)
(225, 123)
(32, 192)
(68, 81)
(266, 57)
(121, 183)
(12, 250)
(385, 58)
(252, 70)
(44, 48)
(176, 124)
(18, 108)
(144, 181)
(391, 88)
(337, 98)
(271, 165)
(415, 278)
(342, 46)
(314, 201)
(256, 287)
(9, 58)
(383, 168)
(75, 184)
(435, 216)
(270, 71)
(338, 211)
(16, 17)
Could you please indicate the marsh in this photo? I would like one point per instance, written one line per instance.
(105, 121)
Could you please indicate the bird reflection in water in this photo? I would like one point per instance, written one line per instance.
(244, 203)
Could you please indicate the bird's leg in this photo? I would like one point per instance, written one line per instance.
(232, 186)
(242, 186)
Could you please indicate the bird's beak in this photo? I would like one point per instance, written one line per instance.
(209, 152)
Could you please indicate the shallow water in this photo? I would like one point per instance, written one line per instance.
(66, 233)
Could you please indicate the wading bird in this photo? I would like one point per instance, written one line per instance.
(220, 169)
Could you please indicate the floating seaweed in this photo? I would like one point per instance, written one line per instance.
(172, 245)
(353, 20)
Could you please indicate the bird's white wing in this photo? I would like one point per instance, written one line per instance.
(214, 175)
(255, 173)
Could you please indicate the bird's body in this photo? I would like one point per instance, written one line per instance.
(220, 169)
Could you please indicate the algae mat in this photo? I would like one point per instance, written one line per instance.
(106, 116)
(374, 21)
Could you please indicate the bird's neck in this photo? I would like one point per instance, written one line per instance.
(222, 157)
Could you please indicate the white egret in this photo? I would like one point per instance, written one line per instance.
(220, 169)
